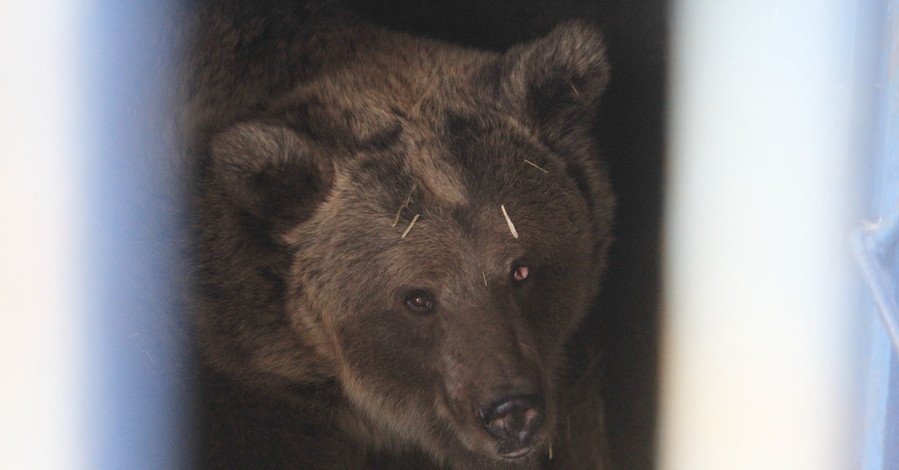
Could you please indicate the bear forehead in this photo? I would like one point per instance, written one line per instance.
(384, 209)
(463, 162)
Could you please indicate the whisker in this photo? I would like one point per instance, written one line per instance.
(535, 165)
(405, 203)
(509, 221)
(414, 219)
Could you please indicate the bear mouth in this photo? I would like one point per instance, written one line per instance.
(516, 454)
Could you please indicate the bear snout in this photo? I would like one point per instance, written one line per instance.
(514, 422)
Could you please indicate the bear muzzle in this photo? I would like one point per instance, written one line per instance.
(514, 422)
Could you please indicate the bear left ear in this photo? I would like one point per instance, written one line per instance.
(558, 78)
(269, 171)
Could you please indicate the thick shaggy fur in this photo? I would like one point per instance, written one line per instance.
(339, 167)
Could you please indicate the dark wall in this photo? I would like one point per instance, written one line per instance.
(632, 135)
(632, 128)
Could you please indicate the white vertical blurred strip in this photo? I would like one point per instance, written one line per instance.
(39, 352)
(757, 325)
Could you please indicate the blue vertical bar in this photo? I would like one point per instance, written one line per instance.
(889, 205)
(137, 411)
(877, 246)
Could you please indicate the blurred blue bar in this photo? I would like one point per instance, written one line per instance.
(876, 245)
(138, 405)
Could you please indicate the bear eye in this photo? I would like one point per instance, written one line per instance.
(419, 301)
(520, 273)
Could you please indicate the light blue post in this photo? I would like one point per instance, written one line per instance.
(137, 413)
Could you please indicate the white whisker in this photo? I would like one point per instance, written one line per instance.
(509, 221)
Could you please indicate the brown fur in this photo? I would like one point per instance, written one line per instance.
(310, 130)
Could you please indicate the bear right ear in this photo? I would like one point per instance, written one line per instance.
(268, 171)
(556, 81)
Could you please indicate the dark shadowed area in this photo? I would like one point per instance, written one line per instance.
(631, 131)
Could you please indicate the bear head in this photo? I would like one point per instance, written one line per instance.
(423, 230)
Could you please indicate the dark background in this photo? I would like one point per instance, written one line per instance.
(631, 133)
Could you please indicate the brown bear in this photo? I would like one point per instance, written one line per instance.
(397, 240)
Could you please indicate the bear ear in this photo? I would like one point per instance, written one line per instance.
(268, 171)
(559, 77)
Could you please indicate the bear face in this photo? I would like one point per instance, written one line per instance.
(423, 226)
(433, 327)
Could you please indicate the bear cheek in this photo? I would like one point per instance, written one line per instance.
(562, 305)
(389, 353)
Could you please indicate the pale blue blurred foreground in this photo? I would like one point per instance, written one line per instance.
(769, 358)
(89, 230)
(774, 106)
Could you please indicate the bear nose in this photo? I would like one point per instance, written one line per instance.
(513, 422)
